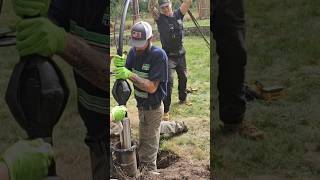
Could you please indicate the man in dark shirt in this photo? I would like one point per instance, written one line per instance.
(170, 27)
(229, 33)
(77, 31)
(146, 67)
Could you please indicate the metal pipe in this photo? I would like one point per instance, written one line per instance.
(126, 144)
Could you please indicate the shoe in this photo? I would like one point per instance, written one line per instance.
(188, 103)
(166, 116)
(154, 173)
(250, 131)
(244, 129)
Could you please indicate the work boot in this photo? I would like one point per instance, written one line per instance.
(166, 116)
(185, 102)
(146, 171)
(244, 129)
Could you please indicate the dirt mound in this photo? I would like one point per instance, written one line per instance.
(181, 170)
(173, 167)
(166, 159)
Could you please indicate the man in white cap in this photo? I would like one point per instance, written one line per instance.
(147, 68)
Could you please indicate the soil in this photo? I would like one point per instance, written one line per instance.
(173, 167)
(184, 169)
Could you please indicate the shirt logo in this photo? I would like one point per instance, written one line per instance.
(146, 67)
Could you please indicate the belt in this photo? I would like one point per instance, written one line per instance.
(174, 55)
(151, 107)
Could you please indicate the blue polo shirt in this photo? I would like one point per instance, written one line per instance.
(152, 65)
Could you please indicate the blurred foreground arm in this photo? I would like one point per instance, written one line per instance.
(26, 160)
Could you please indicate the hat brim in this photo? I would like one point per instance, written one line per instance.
(136, 43)
(164, 4)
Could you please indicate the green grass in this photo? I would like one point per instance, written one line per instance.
(283, 48)
(194, 144)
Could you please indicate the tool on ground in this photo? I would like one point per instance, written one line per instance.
(264, 93)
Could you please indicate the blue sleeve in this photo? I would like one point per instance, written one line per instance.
(59, 13)
(129, 59)
(159, 68)
(178, 14)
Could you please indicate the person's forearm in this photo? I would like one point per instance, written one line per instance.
(188, 2)
(144, 84)
(185, 6)
(4, 172)
(153, 10)
(88, 62)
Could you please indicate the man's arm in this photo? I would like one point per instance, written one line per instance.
(153, 10)
(145, 84)
(90, 63)
(185, 6)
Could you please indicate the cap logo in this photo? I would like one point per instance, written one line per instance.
(136, 35)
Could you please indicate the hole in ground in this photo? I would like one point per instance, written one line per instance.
(166, 158)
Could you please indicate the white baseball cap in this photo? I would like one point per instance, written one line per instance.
(140, 33)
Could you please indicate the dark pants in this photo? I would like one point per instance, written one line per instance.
(93, 106)
(229, 33)
(179, 65)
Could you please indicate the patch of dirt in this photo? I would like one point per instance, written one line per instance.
(166, 159)
(173, 167)
(183, 169)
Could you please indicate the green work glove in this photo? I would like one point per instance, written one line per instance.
(28, 160)
(31, 8)
(40, 36)
(123, 73)
(118, 113)
(119, 61)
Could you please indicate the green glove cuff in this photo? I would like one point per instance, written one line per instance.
(62, 42)
(28, 160)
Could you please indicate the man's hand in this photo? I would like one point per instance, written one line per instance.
(119, 61)
(28, 160)
(31, 8)
(123, 73)
(118, 113)
(152, 8)
(40, 36)
(185, 6)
